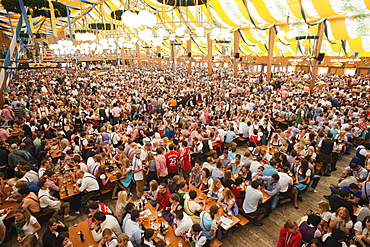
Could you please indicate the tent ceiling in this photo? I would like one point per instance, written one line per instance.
(347, 22)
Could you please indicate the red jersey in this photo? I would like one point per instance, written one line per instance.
(104, 208)
(186, 159)
(172, 161)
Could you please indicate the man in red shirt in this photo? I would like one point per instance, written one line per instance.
(163, 198)
(186, 161)
(172, 161)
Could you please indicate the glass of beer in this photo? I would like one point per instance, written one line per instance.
(69, 180)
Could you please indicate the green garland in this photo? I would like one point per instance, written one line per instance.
(183, 3)
(102, 26)
(36, 7)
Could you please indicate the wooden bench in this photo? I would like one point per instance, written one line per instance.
(243, 221)
(215, 243)
(102, 192)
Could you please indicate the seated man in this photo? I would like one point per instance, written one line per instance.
(103, 221)
(89, 187)
(181, 223)
(133, 228)
(341, 200)
(95, 207)
(355, 192)
(251, 206)
(196, 235)
(357, 171)
(216, 172)
(55, 227)
(163, 197)
(345, 179)
(30, 201)
(192, 208)
(48, 202)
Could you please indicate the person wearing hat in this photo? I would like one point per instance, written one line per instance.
(138, 169)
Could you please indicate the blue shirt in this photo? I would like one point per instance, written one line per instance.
(229, 136)
(217, 173)
(269, 170)
(133, 231)
(357, 195)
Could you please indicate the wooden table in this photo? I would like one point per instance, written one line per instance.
(8, 204)
(209, 203)
(169, 234)
(75, 238)
(69, 188)
(115, 172)
(55, 150)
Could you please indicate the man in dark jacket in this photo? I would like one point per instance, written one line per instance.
(55, 227)
(15, 156)
(4, 152)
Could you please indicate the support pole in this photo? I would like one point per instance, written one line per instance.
(315, 65)
(173, 56)
(209, 55)
(69, 24)
(270, 52)
(190, 60)
(138, 56)
(159, 57)
(236, 50)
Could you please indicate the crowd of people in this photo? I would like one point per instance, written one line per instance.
(167, 131)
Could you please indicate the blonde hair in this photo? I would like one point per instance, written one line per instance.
(153, 185)
(229, 194)
(345, 210)
(324, 206)
(216, 181)
(122, 198)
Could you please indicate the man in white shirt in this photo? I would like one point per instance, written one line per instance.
(182, 223)
(89, 187)
(48, 202)
(104, 221)
(29, 175)
(138, 169)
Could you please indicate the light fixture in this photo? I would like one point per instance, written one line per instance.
(172, 37)
(180, 31)
(281, 34)
(199, 31)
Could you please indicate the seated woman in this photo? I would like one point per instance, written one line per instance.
(104, 181)
(228, 202)
(325, 214)
(238, 192)
(63, 240)
(148, 238)
(227, 181)
(302, 180)
(208, 222)
(245, 173)
(124, 241)
(152, 194)
(175, 205)
(341, 220)
(192, 208)
(206, 181)
(122, 201)
(290, 235)
(108, 238)
(310, 228)
(215, 192)
(362, 231)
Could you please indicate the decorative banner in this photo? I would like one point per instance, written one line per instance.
(53, 20)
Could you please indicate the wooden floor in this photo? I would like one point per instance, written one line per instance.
(249, 235)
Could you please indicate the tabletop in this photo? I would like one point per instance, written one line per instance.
(7, 204)
(75, 237)
(202, 197)
(170, 233)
